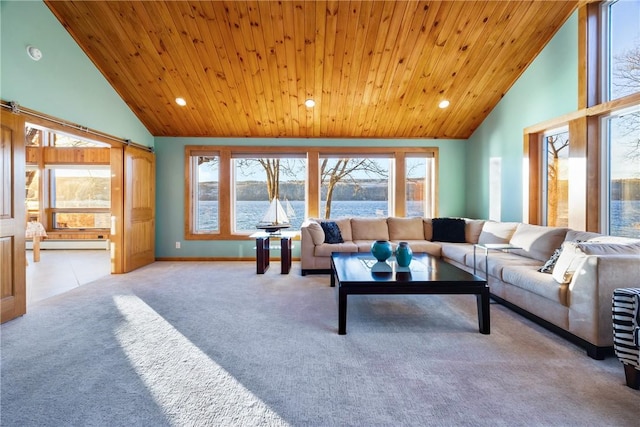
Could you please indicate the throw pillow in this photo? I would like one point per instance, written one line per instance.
(316, 232)
(551, 262)
(567, 263)
(331, 232)
(448, 230)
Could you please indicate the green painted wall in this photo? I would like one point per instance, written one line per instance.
(170, 187)
(547, 89)
(64, 83)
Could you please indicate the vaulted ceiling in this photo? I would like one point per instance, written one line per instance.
(376, 69)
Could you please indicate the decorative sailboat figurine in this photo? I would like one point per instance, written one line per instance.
(275, 218)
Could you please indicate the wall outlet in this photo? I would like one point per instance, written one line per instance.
(177, 245)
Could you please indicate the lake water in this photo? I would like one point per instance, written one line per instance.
(625, 215)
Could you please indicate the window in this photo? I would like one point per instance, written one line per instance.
(65, 140)
(33, 136)
(32, 198)
(598, 173)
(622, 178)
(354, 186)
(419, 194)
(229, 198)
(206, 180)
(621, 48)
(80, 197)
(259, 180)
(556, 185)
(67, 189)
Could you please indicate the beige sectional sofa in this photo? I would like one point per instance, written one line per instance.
(573, 298)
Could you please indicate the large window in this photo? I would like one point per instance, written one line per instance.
(205, 195)
(80, 197)
(593, 183)
(259, 182)
(68, 180)
(621, 213)
(556, 184)
(620, 48)
(231, 190)
(419, 195)
(354, 186)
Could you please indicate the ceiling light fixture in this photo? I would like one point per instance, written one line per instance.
(34, 53)
(181, 102)
(310, 103)
(443, 104)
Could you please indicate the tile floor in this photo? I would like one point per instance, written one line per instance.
(60, 271)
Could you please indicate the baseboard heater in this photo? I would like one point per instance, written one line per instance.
(71, 244)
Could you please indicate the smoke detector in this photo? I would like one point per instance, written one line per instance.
(34, 53)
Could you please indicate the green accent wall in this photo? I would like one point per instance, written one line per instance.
(547, 89)
(170, 187)
(64, 83)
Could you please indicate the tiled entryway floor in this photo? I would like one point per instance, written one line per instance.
(60, 271)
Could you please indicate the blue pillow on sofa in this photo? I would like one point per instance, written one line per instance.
(331, 232)
(448, 230)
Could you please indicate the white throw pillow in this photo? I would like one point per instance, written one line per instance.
(497, 232)
(568, 261)
(316, 232)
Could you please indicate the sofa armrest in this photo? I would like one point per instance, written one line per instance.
(591, 291)
(307, 247)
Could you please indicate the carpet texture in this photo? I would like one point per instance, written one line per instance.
(209, 343)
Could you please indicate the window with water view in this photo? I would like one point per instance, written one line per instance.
(354, 186)
(556, 145)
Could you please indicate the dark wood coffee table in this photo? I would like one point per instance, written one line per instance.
(354, 274)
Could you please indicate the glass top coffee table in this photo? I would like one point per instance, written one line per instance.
(361, 274)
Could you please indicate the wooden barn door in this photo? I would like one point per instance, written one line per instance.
(12, 217)
(139, 208)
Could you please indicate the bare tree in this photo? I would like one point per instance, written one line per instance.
(343, 169)
(627, 81)
(555, 144)
(274, 168)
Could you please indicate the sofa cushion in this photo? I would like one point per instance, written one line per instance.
(583, 236)
(601, 248)
(497, 261)
(424, 246)
(326, 249)
(472, 230)
(369, 229)
(332, 232)
(345, 228)
(570, 258)
(316, 232)
(405, 228)
(457, 252)
(537, 241)
(448, 230)
(365, 245)
(529, 279)
(428, 228)
(497, 232)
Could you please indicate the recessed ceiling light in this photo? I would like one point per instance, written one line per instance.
(34, 53)
(181, 102)
(443, 104)
(310, 103)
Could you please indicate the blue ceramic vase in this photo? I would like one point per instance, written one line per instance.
(381, 250)
(404, 254)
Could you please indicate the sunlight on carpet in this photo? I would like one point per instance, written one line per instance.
(189, 387)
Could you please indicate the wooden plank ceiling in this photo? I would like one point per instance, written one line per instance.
(376, 69)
